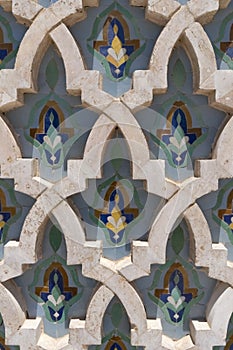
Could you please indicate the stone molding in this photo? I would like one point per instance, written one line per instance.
(186, 25)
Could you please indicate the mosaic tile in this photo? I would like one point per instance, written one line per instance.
(139, 278)
(117, 209)
(133, 45)
(222, 215)
(56, 291)
(180, 137)
(11, 34)
(53, 126)
(117, 50)
(14, 207)
(180, 126)
(176, 291)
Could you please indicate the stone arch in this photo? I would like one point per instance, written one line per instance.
(199, 229)
(65, 216)
(173, 210)
(102, 130)
(190, 35)
(196, 43)
(32, 235)
(161, 52)
(220, 308)
(11, 151)
(223, 151)
(8, 307)
(200, 52)
(142, 333)
(155, 250)
(96, 311)
(33, 48)
(71, 56)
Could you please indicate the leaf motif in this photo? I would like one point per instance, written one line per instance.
(116, 56)
(52, 74)
(56, 292)
(116, 314)
(55, 238)
(56, 141)
(121, 221)
(60, 299)
(179, 74)
(179, 134)
(116, 156)
(174, 142)
(184, 141)
(111, 221)
(177, 240)
(176, 294)
(52, 299)
(177, 303)
(47, 141)
(173, 148)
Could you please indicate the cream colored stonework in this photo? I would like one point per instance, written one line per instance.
(183, 24)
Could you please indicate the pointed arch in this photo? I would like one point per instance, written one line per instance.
(8, 307)
(70, 54)
(32, 49)
(223, 151)
(96, 311)
(190, 35)
(201, 236)
(11, 151)
(220, 307)
(201, 54)
(161, 53)
(29, 245)
(116, 115)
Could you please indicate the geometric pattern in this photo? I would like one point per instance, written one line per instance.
(180, 23)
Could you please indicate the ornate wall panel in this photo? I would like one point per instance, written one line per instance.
(116, 174)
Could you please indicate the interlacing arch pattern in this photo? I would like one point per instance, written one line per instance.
(183, 24)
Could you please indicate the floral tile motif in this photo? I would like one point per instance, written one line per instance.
(51, 137)
(117, 209)
(179, 126)
(176, 297)
(56, 295)
(10, 36)
(5, 48)
(10, 210)
(222, 212)
(178, 141)
(116, 50)
(52, 290)
(6, 213)
(227, 214)
(52, 121)
(117, 214)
